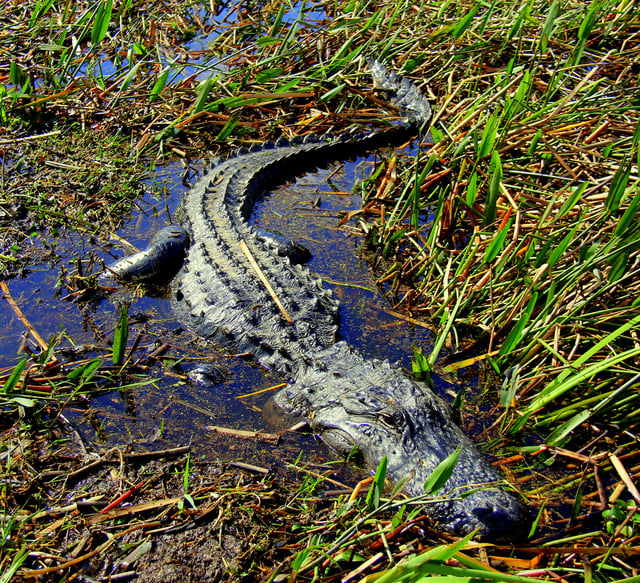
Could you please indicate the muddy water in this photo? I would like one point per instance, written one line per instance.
(172, 410)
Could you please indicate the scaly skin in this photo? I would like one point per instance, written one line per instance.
(347, 399)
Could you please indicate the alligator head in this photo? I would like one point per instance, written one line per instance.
(373, 405)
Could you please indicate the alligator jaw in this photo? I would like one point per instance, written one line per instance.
(484, 508)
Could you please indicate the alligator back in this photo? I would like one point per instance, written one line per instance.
(221, 291)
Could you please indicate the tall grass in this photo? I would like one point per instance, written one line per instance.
(532, 232)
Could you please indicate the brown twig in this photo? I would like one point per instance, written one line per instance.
(242, 434)
(7, 295)
(103, 547)
(268, 389)
(265, 281)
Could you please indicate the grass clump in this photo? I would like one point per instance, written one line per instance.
(63, 182)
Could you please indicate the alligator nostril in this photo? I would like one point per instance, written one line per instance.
(501, 522)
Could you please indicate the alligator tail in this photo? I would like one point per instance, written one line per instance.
(402, 93)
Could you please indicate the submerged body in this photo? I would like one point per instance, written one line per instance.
(221, 293)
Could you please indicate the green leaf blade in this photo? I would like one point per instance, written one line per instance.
(101, 22)
(442, 473)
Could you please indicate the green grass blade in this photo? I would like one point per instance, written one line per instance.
(373, 496)
(225, 132)
(558, 252)
(14, 377)
(515, 335)
(86, 371)
(449, 319)
(489, 134)
(203, 94)
(374, 18)
(584, 31)
(129, 77)
(558, 388)
(420, 365)
(509, 386)
(534, 143)
(101, 22)
(455, 573)
(16, 74)
(495, 180)
(629, 219)
(332, 93)
(120, 336)
(619, 186)
(267, 75)
(16, 562)
(277, 23)
(413, 570)
(472, 190)
(549, 25)
(39, 11)
(561, 432)
(293, 30)
(568, 205)
(520, 100)
(498, 243)
(159, 85)
(439, 477)
(619, 263)
(517, 23)
(460, 28)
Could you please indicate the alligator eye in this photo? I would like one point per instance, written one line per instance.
(179, 296)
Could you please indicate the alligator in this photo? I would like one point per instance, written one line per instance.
(248, 290)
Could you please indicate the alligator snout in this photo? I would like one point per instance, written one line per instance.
(493, 512)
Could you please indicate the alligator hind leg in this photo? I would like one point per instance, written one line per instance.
(158, 263)
(285, 247)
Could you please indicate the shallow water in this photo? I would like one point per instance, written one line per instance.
(172, 411)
